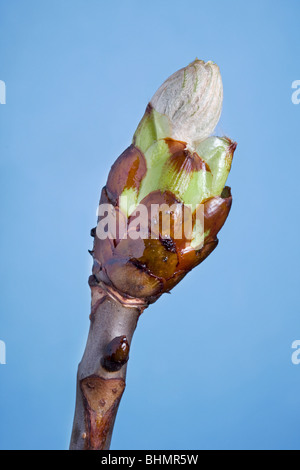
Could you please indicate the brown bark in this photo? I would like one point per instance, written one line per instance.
(102, 371)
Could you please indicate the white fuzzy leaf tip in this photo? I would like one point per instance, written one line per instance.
(192, 99)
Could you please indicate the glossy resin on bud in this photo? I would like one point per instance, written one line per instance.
(175, 167)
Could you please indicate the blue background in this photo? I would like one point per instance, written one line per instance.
(210, 365)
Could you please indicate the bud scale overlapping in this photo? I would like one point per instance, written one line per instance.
(172, 163)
